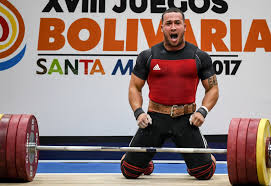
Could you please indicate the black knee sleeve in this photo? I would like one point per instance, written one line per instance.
(149, 169)
(130, 171)
(204, 172)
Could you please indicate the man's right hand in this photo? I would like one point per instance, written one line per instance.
(144, 120)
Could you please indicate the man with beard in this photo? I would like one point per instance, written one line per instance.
(172, 69)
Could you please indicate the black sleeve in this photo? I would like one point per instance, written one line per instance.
(141, 68)
(206, 69)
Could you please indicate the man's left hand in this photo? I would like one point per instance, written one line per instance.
(196, 119)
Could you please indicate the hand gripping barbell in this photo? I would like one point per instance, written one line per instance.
(248, 149)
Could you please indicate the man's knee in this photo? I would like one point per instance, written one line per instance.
(130, 171)
(204, 172)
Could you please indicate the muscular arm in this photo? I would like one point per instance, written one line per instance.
(135, 95)
(136, 100)
(211, 92)
(209, 82)
(209, 100)
(138, 78)
(137, 81)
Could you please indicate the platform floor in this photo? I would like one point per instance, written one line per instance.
(110, 179)
(108, 173)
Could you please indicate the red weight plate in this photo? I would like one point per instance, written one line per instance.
(241, 151)
(27, 158)
(231, 150)
(251, 164)
(11, 146)
(3, 143)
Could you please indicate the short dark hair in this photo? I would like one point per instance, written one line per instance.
(173, 9)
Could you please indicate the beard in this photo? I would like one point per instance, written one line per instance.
(170, 44)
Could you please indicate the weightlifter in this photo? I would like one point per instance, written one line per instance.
(172, 70)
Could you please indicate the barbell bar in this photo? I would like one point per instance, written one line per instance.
(126, 149)
(248, 149)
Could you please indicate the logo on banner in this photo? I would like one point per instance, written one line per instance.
(12, 32)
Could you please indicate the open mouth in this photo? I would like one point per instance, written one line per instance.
(173, 36)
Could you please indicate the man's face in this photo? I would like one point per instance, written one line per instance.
(173, 27)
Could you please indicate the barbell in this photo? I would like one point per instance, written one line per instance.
(248, 149)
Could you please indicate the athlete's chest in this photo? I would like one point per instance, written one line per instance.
(185, 68)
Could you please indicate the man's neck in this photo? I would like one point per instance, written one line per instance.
(174, 48)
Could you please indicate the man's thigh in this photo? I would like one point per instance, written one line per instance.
(189, 136)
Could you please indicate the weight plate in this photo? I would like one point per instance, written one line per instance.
(3, 143)
(241, 151)
(27, 158)
(267, 152)
(11, 146)
(1, 115)
(264, 131)
(231, 150)
(251, 165)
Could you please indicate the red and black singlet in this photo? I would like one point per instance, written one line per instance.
(173, 76)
